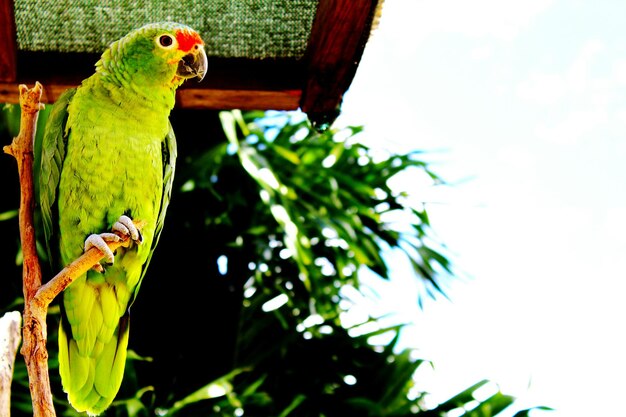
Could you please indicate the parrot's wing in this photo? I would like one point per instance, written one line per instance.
(50, 161)
(168, 150)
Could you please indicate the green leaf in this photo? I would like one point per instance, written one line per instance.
(287, 154)
(7, 215)
(526, 413)
(219, 387)
(295, 403)
(461, 398)
(492, 405)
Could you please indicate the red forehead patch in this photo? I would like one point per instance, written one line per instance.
(187, 39)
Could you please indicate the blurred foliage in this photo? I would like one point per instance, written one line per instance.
(241, 312)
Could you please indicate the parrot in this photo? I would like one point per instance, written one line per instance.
(105, 170)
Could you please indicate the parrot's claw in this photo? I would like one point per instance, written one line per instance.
(125, 226)
(99, 241)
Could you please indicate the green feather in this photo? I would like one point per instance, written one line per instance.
(108, 150)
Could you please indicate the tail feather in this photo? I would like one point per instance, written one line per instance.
(110, 366)
(80, 373)
(93, 379)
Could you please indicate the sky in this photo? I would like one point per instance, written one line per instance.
(521, 107)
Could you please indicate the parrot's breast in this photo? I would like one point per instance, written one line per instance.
(113, 167)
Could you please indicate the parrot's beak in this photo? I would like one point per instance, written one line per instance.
(194, 64)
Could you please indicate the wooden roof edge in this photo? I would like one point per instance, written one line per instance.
(332, 64)
(315, 84)
(8, 43)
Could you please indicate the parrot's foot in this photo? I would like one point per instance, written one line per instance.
(124, 226)
(100, 242)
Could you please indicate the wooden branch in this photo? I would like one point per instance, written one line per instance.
(10, 325)
(37, 298)
(47, 292)
(22, 150)
(34, 345)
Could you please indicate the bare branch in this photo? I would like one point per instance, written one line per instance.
(10, 338)
(34, 333)
(47, 292)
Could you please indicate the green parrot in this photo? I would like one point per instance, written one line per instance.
(107, 158)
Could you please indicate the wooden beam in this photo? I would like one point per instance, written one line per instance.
(193, 98)
(204, 98)
(8, 42)
(340, 31)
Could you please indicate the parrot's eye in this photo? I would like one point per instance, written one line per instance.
(166, 41)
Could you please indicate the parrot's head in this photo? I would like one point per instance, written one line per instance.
(158, 54)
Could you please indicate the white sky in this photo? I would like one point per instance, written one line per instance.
(523, 107)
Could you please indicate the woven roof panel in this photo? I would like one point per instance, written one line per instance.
(231, 29)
